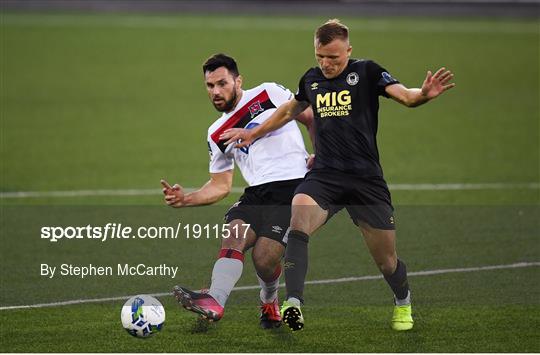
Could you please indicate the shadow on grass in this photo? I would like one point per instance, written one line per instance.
(202, 325)
(282, 334)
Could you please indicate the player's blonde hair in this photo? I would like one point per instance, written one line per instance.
(331, 30)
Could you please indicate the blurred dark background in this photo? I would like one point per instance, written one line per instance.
(481, 8)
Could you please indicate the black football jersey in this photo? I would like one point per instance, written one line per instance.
(346, 109)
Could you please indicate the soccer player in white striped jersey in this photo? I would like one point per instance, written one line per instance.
(273, 166)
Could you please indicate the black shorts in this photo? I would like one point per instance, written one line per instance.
(266, 207)
(367, 199)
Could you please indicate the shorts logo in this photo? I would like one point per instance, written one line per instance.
(352, 78)
(277, 229)
(230, 208)
(391, 219)
(255, 109)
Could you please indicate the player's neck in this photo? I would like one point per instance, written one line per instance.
(238, 99)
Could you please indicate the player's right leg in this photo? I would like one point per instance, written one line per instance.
(306, 217)
(382, 246)
(267, 254)
(226, 272)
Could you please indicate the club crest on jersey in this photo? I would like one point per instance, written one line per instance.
(255, 109)
(352, 78)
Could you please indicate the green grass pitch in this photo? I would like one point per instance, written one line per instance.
(117, 102)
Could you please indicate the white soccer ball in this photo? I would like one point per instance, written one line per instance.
(142, 316)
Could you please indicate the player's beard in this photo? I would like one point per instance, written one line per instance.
(229, 104)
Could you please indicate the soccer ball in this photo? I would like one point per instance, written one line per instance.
(142, 316)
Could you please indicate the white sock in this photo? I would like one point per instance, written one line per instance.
(404, 302)
(269, 290)
(226, 273)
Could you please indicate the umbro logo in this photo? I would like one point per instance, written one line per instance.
(314, 86)
(277, 229)
(233, 206)
(288, 265)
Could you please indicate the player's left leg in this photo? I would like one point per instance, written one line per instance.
(266, 256)
(225, 273)
(382, 246)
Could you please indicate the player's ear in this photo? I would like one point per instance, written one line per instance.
(349, 51)
(239, 81)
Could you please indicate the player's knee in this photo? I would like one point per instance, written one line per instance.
(387, 266)
(300, 223)
(236, 237)
(233, 242)
(306, 215)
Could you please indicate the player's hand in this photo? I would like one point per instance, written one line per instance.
(240, 135)
(436, 84)
(174, 195)
(310, 161)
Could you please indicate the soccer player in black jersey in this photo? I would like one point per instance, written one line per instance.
(344, 94)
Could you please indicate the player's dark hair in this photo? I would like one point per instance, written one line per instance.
(221, 60)
(331, 30)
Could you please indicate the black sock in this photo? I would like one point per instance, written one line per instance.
(398, 281)
(296, 264)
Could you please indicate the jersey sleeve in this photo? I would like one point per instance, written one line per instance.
(278, 93)
(219, 162)
(379, 78)
(301, 92)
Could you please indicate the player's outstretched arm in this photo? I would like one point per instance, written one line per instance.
(279, 118)
(433, 86)
(217, 188)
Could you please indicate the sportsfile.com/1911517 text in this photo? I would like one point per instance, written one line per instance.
(119, 231)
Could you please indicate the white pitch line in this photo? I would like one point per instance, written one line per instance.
(313, 282)
(149, 192)
(465, 186)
